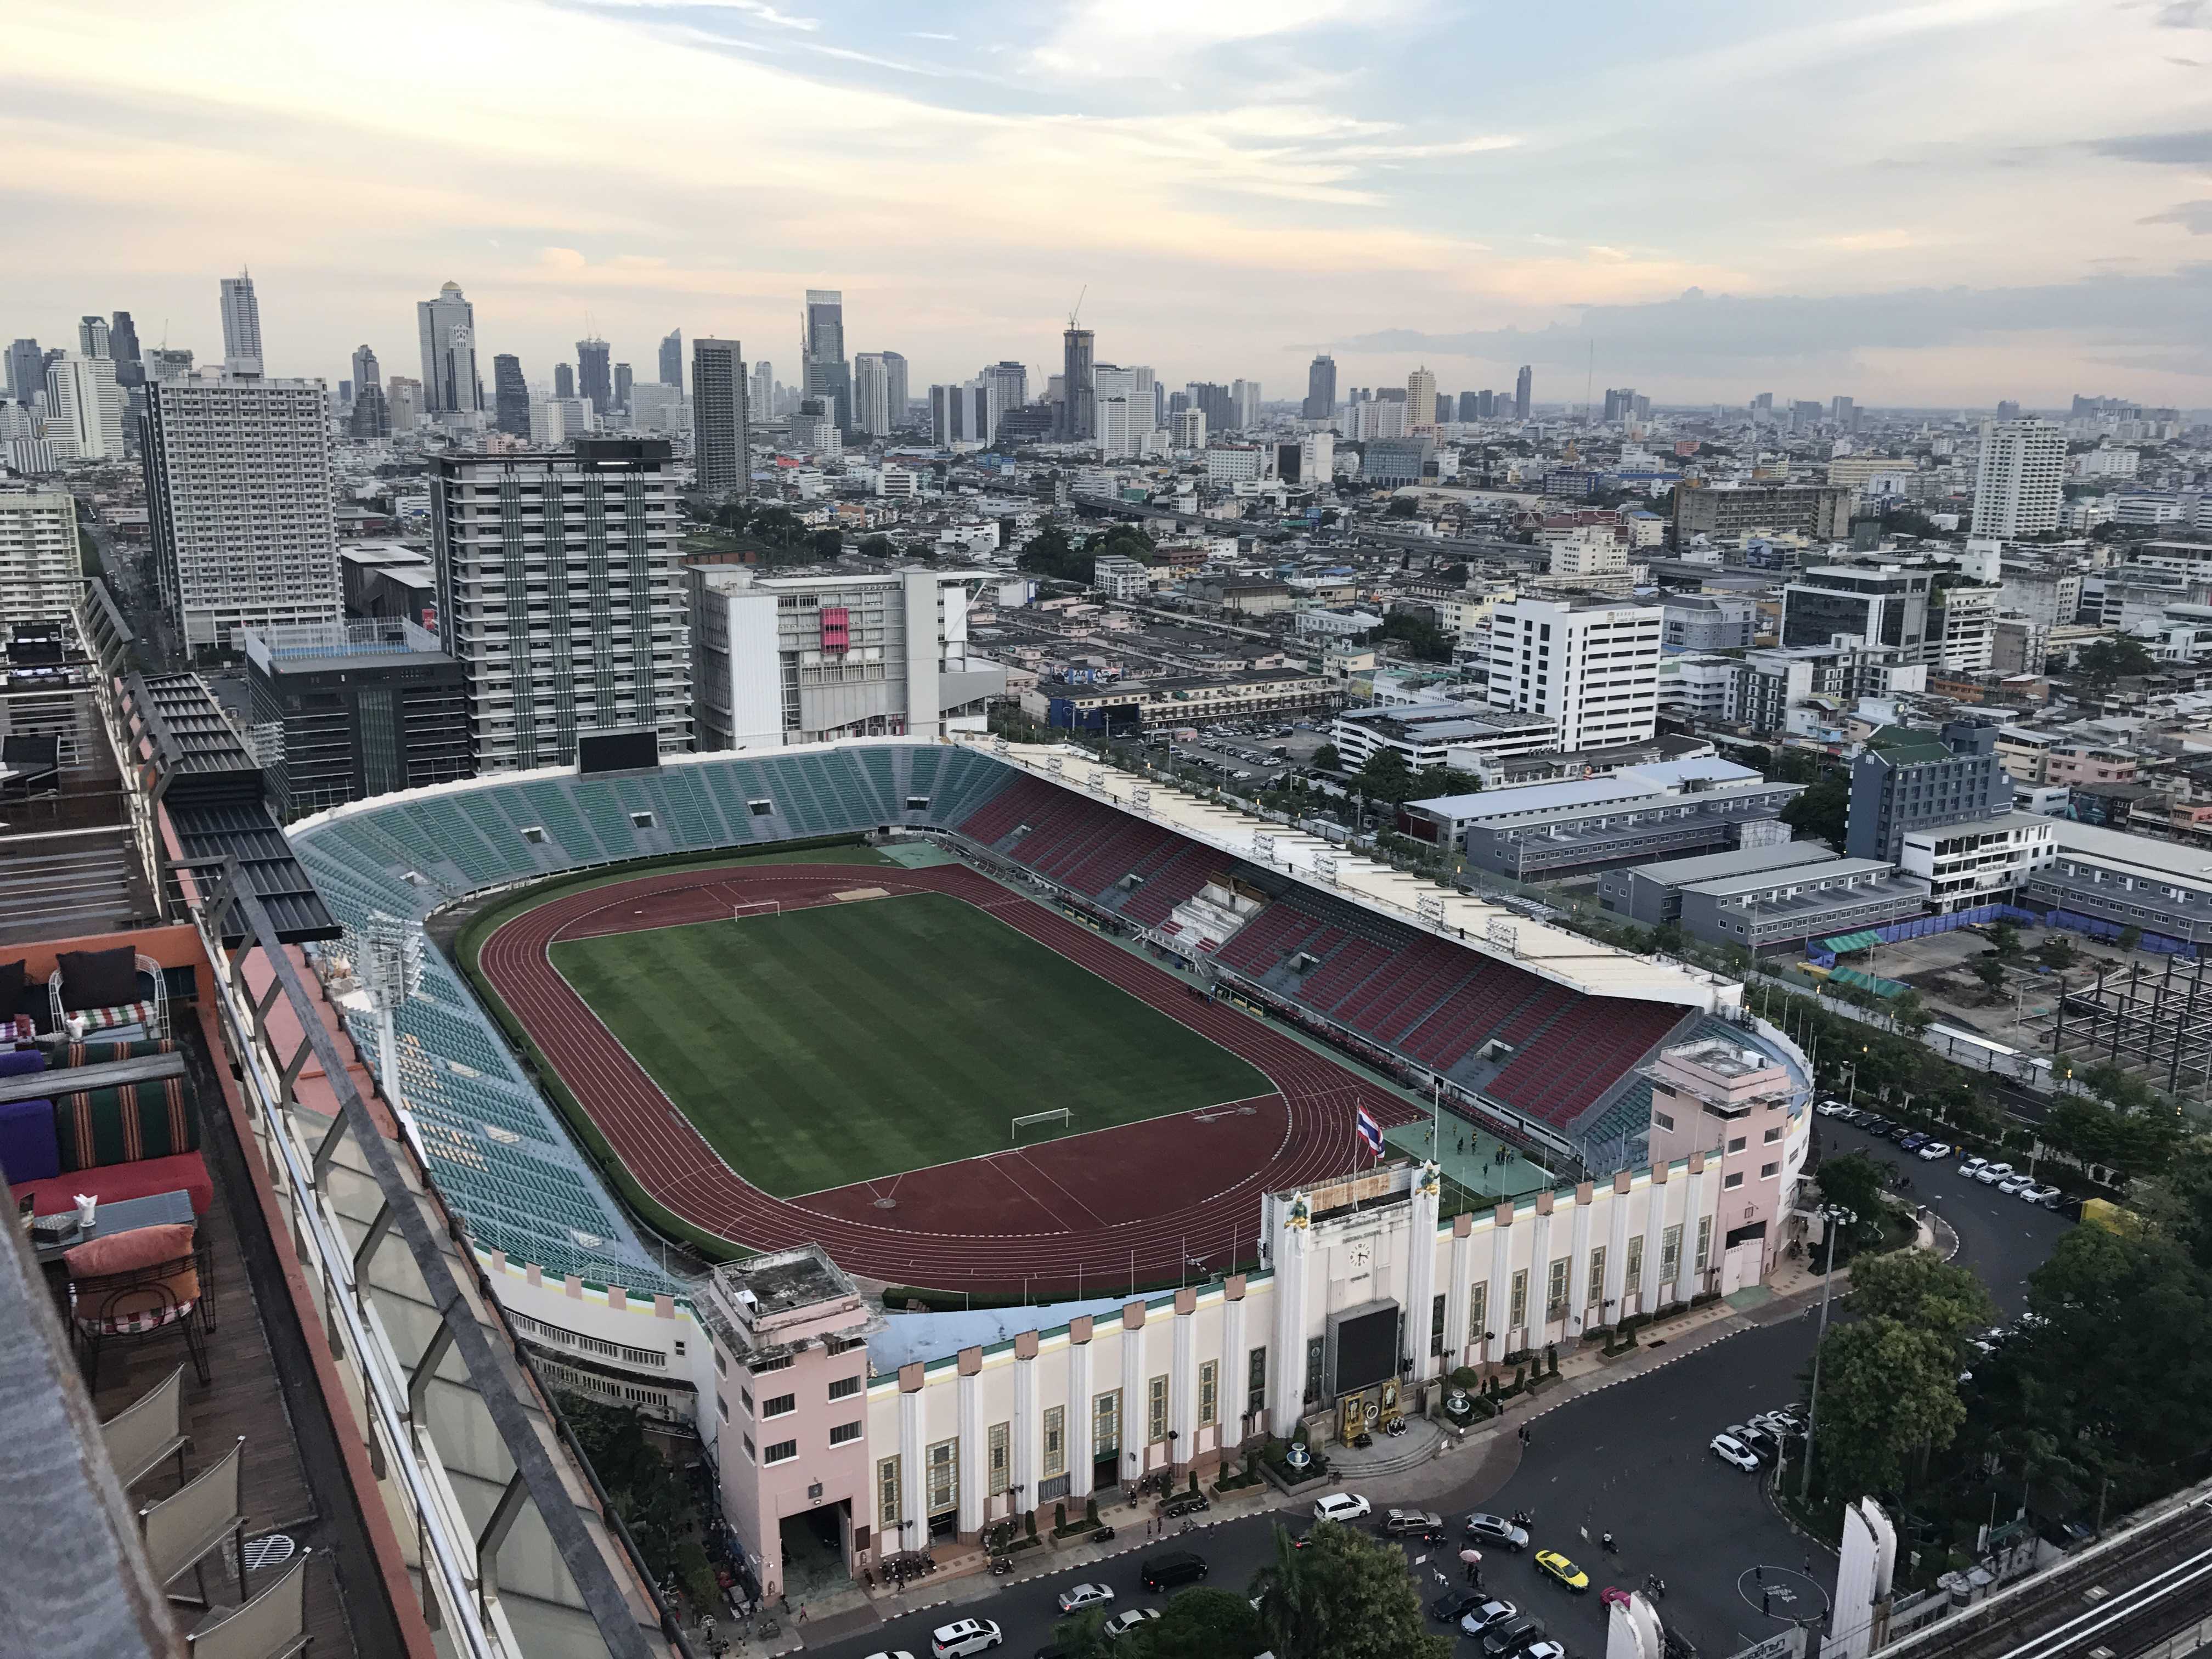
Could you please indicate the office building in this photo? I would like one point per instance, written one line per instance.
(812, 430)
(583, 630)
(1907, 780)
(1011, 382)
(1470, 406)
(564, 381)
(510, 396)
(167, 363)
(962, 414)
(241, 325)
(372, 417)
(239, 494)
(1866, 605)
(558, 419)
(403, 397)
(2121, 880)
(1819, 512)
(900, 392)
(1076, 349)
(625, 383)
(26, 371)
(672, 359)
(123, 347)
(84, 408)
(1524, 390)
(2018, 482)
(761, 392)
(594, 384)
(363, 708)
(1395, 461)
(447, 325)
(1979, 861)
(92, 336)
(1589, 667)
(1421, 400)
(1244, 403)
(822, 348)
(1708, 622)
(1650, 895)
(722, 441)
(1320, 389)
(1844, 412)
(1781, 909)
(41, 571)
(786, 659)
(871, 395)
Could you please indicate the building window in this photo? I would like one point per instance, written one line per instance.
(1774, 1134)
(722, 1406)
(1106, 1424)
(780, 1406)
(1209, 1380)
(844, 1434)
(1595, 1297)
(745, 1398)
(1056, 1441)
(1662, 1119)
(1704, 1241)
(1555, 1289)
(1768, 1171)
(1670, 1255)
(1632, 1280)
(1518, 1308)
(845, 1388)
(887, 1497)
(1732, 1181)
(941, 1475)
(1737, 1146)
(721, 1364)
(750, 1455)
(1437, 1325)
(1477, 1311)
(1256, 1381)
(997, 1458)
(1156, 1410)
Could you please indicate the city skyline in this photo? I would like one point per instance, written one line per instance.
(1225, 180)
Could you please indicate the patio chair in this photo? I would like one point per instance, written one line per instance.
(199, 1519)
(132, 1008)
(149, 1431)
(272, 1625)
(135, 1286)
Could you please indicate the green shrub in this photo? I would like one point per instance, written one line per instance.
(1029, 1524)
(1059, 1518)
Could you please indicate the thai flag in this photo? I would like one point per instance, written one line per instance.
(1371, 1132)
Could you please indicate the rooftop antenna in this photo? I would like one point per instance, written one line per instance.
(1078, 311)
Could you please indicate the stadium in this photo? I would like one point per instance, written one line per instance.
(688, 1016)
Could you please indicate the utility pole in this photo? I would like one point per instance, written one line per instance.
(1838, 1219)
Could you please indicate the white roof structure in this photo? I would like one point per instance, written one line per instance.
(1566, 959)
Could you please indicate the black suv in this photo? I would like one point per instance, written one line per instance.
(1172, 1568)
(1511, 1637)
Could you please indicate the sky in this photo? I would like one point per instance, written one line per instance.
(1916, 202)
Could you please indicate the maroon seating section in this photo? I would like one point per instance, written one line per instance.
(1567, 1069)
(1172, 882)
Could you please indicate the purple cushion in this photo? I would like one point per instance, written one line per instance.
(18, 1062)
(29, 1148)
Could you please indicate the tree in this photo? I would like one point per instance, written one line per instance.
(1853, 1183)
(1326, 758)
(2005, 938)
(2139, 1142)
(1386, 777)
(1403, 507)
(1423, 640)
(1824, 809)
(2131, 937)
(1911, 1013)
(2057, 952)
(1991, 973)
(1345, 1596)
(1049, 553)
(1433, 781)
(2103, 661)
(1919, 1289)
(878, 546)
(1887, 1391)
(1198, 1624)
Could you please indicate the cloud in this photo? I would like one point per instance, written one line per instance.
(758, 10)
(2171, 149)
(2195, 217)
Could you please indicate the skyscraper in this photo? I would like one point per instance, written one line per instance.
(760, 403)
(239, 493)
(1076, 347)
(26, 371)
(872, 404)
(821, 348)
(593, 380)
(672, 359)
(448, 327)
(510, 395)
(624, 382)
(1844, 412)
(372, 419)
(720, 442)
(92, 337)
(1244, 402)
(1320, 389)
(564, 381)
(241, 325)
(1421, 400)
(123, 347)
(2020, 481)
(84, 408)
(1524, 386)
(1470, 406)
(402, 395)
(895, 393)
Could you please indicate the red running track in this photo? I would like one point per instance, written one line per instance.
(1114, 1206)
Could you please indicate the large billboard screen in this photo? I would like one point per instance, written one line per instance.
(616, 752)
(1364, 1344)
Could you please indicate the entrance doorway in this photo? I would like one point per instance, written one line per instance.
(818, 1550)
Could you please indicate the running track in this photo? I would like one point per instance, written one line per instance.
(1088, 1211)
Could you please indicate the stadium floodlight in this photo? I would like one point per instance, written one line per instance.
(387, 964)
(1430, 907)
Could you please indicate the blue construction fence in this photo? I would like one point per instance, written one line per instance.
(1982, 914)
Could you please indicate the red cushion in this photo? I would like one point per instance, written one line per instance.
(126, 1253)
(179, 1171)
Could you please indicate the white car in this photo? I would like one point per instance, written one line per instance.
(899, 1654)
(1828, 1108)
(1972, 1166)
(962, 1636)
(1129, 1619)
(1731, 1450)
(2045, 1196)
(2013, 1185)
(1934, 1149)
(1080, 1596)
(1342, 1506)
(1989, 1174)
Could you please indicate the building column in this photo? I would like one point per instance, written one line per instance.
(1616, 1251)
(1136, 1448)
(1578, 1254)
(1287, 1353)
(1080, 1455)
(914, 1532)
(1539, 1329)
(1420, 1321)
(1650, 1293)
(1686, 1270)
(1458, 1336)
(1183, 1383)
(1501, 1282)
(975, 1473)
(1235, 1384)
(1027, 1431)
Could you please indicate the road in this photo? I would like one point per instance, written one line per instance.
(1632, 1459)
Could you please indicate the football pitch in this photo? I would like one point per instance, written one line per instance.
(844, 1042)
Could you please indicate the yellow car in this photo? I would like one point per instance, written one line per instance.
(1556, 1565)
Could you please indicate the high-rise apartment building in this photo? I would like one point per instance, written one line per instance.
(871, 400)
(26, 371)
(1844, 412)
(239, 491)
(559, 420)
(1077, 346)
(625, 383)
(447, 325)
(897, 389)
(510, 396)
(1421, 400)
(403, 397)
(372, 419)
(761, 393)
(1470, 406)
(1320, 389)
(241, 325)
(1010, 384)
(2020, 482)
(123, 347)
(721, 439)
(168, 363)
(593, 380)
(672, 359)
(1524, 386)
(564, 379)
(822, 346)
(40, 573)
(92, 336)
(84, 408)
(560, 595)
(1590, 668)
(1244, 403)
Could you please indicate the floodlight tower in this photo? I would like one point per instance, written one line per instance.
(387, 964)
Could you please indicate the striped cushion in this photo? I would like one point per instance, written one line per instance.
(124, 1124)
(102, 1054)
(127, 1014)
(132, 1320)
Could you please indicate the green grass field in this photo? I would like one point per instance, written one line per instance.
(848, 1043)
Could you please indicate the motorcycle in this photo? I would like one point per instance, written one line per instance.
(1102, 1535)
(1002, 1565)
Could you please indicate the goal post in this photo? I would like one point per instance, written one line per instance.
(745, 908)
(1062, 1115)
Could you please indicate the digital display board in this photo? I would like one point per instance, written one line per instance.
(617, 751)
(1365, 1345)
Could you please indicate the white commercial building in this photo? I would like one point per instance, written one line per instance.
(1983, 861)
(558, 419)
(2020, 482)
(1591, 555)
(786, 660)
(1963, 628)
(241, 325)
(1187, 427)
(1244, 403)
(871, 395)
(561, 593)
(41, 572)
(1232, 463)
(84, 408)
(1590, 668)
(239, 493)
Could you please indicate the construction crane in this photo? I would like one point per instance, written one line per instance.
(1078, 311)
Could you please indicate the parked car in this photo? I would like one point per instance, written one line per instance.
(2013, 1185)
(1171, 1570)
(1500, 1641)
(1129, 1619)
(1933, 1150)
(2044, 1196)
(1913, 1142)
(1556, 1567)
(1076, 1597)
(1764, 1445)
(1972, 1165)
(1497, 1530)
(1488, 1613)
(1342, 1506)
(965, 1636)
(1901, 1133)
(1829, 1108)
(1455, 1605)
(1544, 1651)
(1189, 1504)
(1989, 1174)
(1781, 1425)
(1400, 1523)
(1731, 1450)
